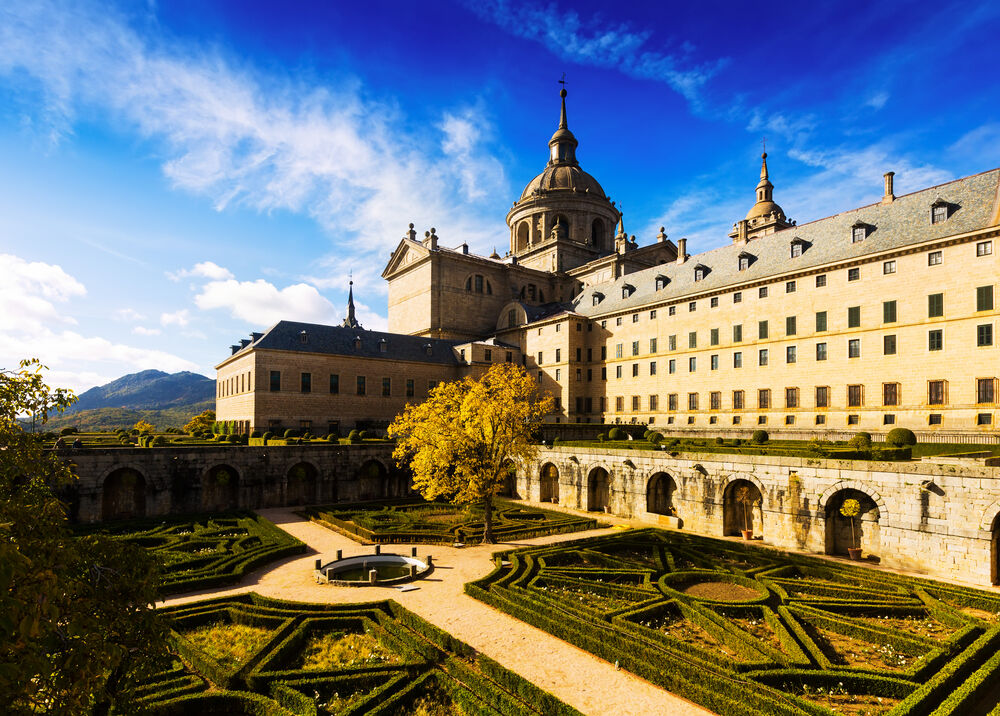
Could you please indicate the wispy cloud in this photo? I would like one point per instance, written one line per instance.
(176, 318)
(205, 269)
(261, 303)
(143, 331)
(595, 42)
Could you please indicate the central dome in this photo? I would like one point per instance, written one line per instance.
(563, 176)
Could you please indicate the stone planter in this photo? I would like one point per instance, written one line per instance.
(747, 534)
(854, 553)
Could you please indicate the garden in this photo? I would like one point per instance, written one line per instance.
(203, 552)
(247, 654)
(745, 630)
(416, 521)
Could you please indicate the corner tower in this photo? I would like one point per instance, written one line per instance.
(563, 218)
(765, 216)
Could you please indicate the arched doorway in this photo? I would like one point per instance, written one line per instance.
(995, 551)
(301, 484)
(660, 494)
(548, 489)
(741, 508)
(220, 488)
(598, 490)
(861, 531)
(372, 480)
(124, 495)
(509, 486)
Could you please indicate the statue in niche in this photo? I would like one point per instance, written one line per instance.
(558, 231)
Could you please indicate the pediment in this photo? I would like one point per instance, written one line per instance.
(405, 253)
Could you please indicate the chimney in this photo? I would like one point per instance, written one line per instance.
(682, 245)
(888, 196)
(741, 230)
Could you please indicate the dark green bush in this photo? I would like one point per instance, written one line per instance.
(655, 438)
(759, 437)
(363, 434)
(267, 436)
(901, 436)
(861, 441)
(291, 433)
(255, 434)
(68, 431)
(600, 437)
(616, 434)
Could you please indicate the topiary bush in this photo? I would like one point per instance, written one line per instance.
(601, 438)
(655, 438)
(291, 433)
(68, 431)
(616, 434)
(900, 437)
(363, 435)
(861, 441)
(759, 437)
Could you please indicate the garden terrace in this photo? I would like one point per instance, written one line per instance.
(744, 630)
(207, 551)
(441, 522)
(247, 654)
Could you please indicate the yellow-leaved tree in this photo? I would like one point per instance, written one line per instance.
(460, 442)
(144, 428)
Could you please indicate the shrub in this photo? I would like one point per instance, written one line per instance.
(616, 434)
(363, 435)
(556, 440)
(68, 431)
(157, 441)
(655, 438)
(255, 434)
(759, 437)
(900, 437)
(645, 435)
(307, 436)
(720, 441)
(861, 441)
(267, 435)
(291, 433)
(601, 438)
(352, 435)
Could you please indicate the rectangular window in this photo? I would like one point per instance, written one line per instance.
(409, 387)
(361, 385)
(737, 400)
(934, 258)
(275, 380)
(935, 305)
(935, 340)
(858, 234)
(635, 370)
(853, 419)
(590, 375)
(654, 402)
(934, 419)
(738, 297)
(671, 310)
(713, 337)
(635, 348)
(820, 321)
(558, 374)
(984, 298)
(604, 373)
(386, 387)
(791, 397)
(652, 367)
(693, 306)
(890, 394)
(888, 345)
(762, 356)
(620, 403)
(790, 287)
(762, 330)
(652, 346)
(889, 419)
(984, 419)
(579, 353)
(671, 343)
(692, 364)
(822, 396)
(796, 249)
(789, 354)
(986, 390)
(738, 359)
(936, 392)
(764, 398)
(762, 292)
(855, 396)
(693, 339)
(672, 401)
(854, 316)
(488, 356)
(671, 366)
(618, 320)
(714, 362)
(636, 402)
(306, 382)
(334, 384)
(790, 326)
(889, 267)
(604, 352)
(618, 350)
(888, 312)
(715, 400)
(635, 318)
(853, 274)
(738, 333)
(984, 335)
(939, 214)
(821, 280)
(984, 248)
(652, 315)
(540, 357)
(618, 371)
(854, 348)
(821, 351)
(692, 401)
(558, 354)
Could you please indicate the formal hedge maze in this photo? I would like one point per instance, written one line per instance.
(745, 630)
(443, 522)
(199, 553)
(247, 654)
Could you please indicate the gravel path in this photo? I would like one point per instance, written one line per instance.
(582, 680)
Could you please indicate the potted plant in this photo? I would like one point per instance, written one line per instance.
(744, 497)
(850, 509)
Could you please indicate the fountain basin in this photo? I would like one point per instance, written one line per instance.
(390, 568)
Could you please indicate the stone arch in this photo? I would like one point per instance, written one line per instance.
(123, 494)
(995, 550)
(862, 531)
(220, 488)
(523, 232)
(989, 517)
(742, 506)
(373, 480)
(660, 494)
(597, 233)
(598, 490)
(821, 503)
(300, 484)
(548, 483)
(562, 221)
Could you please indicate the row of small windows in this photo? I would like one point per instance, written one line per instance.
(361, 384)
(233, 385)
(981, 419)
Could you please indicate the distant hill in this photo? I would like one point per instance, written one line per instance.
(163, 399)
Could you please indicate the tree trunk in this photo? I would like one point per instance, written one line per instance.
(488, 520)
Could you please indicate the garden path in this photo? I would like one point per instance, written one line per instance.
(578, 678)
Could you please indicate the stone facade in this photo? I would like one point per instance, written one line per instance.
(935, 519)
(120, 483)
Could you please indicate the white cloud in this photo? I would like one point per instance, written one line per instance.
(981, 144)
(205, 269)
(177, 318)
(261, 303)
(877, 100)
(143, 331)
(29, 292)
(70, 348)
(128, 315)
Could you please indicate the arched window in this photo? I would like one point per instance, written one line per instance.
(597, 233)
(523, 229)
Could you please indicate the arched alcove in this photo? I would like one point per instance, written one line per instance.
(373, 482)
(660, 494)
(598, 490)
(509, 486)
(301, 484)
(861, 531)
(549, 483)
(741, 508)
(597, 236)
(220, 488)
(123, 495)
(523, 231)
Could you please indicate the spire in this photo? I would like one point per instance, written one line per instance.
(562, 114)
(351, 320)
(562, 146)
(763, 166)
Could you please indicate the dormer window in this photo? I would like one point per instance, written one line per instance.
(428, 349)
(357, 343)
(797, 247)
(383, 345)
(597, 298)
(700, 272)
(627, 290)
(303, 337)
(940, 211)
(661, 282)
(859, 232)
(745, 260)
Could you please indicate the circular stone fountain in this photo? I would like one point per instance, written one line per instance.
(373, 570)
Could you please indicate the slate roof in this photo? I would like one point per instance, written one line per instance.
(903, 222)
(338, 340)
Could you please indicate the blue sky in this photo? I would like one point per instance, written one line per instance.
(174, 175)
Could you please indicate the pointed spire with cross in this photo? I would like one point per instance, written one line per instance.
(351, 320)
